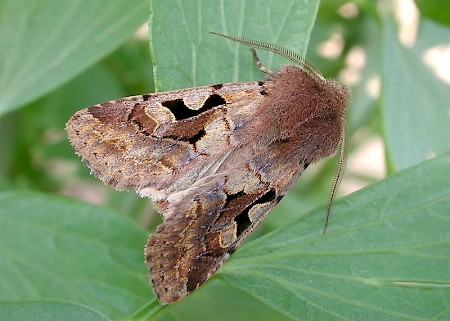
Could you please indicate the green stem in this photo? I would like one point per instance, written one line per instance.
(147, 312)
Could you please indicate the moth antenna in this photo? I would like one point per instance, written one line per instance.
(260, 65)
(342, 162)
(286, 53)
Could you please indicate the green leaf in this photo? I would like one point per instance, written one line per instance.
(185, 55)
(415, 104)
(386, 255)
(47, 311)
(60, 249)
(221, 300)
(91, 256)
(45, 43)
(437, 10)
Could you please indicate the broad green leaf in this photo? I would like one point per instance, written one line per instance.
(45, 43)
(56, 248)
(185, 55)
(25, 134)
(92, 256)
(46, 117)
(223, 303)
(47, 311)
(437, 10)
(386, 255)
(415, 104)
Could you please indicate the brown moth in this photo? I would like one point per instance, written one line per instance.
(214, 159)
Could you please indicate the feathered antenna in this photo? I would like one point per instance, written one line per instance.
(342, 162)
(286, 53)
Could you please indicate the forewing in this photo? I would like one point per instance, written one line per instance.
(209, 221)
(162, 143)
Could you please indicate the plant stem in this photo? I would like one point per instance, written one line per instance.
(147, 312)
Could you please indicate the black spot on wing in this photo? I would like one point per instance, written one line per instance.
(243, 220)
(213, 101)
(181, 111)
(217, 86)
(192, 140)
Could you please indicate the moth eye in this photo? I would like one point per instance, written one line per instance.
(181, 111)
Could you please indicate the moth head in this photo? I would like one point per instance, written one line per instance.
(341, 92)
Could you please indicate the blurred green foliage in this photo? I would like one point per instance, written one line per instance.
(61, 258)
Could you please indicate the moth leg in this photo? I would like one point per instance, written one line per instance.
(259, 63)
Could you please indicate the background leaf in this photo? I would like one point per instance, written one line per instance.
(415, 103)
(350, 40)
(60, 249)
(46, 43)
(435, 9)
(191, 57)
(91, 256)
(47, 311)
(370, 264)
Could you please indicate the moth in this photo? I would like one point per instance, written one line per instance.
(213, 159)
